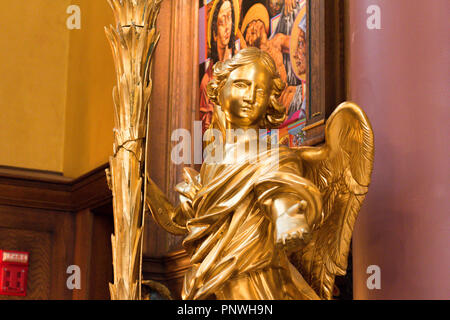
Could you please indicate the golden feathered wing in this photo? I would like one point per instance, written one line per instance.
(341, 169)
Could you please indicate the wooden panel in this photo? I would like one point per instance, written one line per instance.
(316, 57)
(184, 92)
(62, 254)
(159, 138)
(93, 252)
(38, 245)
(38, 214)
(58, 227)
(169, 270)
(101, 269)
(173, 106)
(326, 76)
(84, 221)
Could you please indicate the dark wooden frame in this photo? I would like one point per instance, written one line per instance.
(326, 74)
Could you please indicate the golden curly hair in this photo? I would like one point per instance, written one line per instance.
(276, 112)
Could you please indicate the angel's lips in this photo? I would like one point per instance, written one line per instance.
(246, 108)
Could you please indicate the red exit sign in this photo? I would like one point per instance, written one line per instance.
(13, 273)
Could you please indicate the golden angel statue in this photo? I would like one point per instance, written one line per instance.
(271, 224)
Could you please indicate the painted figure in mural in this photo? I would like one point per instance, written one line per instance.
(270, 25)
(275, 7)
(222, 24)
(298, 66)
(255, 29)
(275, 223)
(298, 49)
(292, 18)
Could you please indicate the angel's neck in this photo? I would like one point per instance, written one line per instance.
(242, 135)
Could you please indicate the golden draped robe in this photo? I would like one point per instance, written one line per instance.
(232, 235)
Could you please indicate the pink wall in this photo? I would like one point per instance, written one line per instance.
(400, 76)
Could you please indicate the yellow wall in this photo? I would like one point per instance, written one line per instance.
(33, 70)
(56, 110)
(89, 111)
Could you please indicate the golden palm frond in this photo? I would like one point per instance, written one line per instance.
(133, 41)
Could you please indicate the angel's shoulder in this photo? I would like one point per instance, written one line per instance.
(289, 160)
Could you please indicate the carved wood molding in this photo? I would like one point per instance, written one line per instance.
(168, 270)
(51, 191)
(172, 266)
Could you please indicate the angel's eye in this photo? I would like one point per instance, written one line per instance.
(260, 92)
(240, 85)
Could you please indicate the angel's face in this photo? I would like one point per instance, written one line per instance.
(245, 96)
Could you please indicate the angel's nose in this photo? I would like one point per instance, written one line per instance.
(250, 94)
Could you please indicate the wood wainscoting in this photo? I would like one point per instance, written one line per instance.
(168, 270)
(60, 222)
(63, 222)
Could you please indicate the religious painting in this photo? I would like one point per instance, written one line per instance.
(278, 27)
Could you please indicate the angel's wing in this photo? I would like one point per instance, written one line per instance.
(341, 169)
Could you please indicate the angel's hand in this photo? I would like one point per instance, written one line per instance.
(293, 240)
(293, 230)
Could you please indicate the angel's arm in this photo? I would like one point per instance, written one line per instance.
(171, 218)
(293, 203)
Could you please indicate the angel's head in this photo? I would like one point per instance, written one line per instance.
(245, 90)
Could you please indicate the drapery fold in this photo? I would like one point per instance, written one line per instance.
(232, 238)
